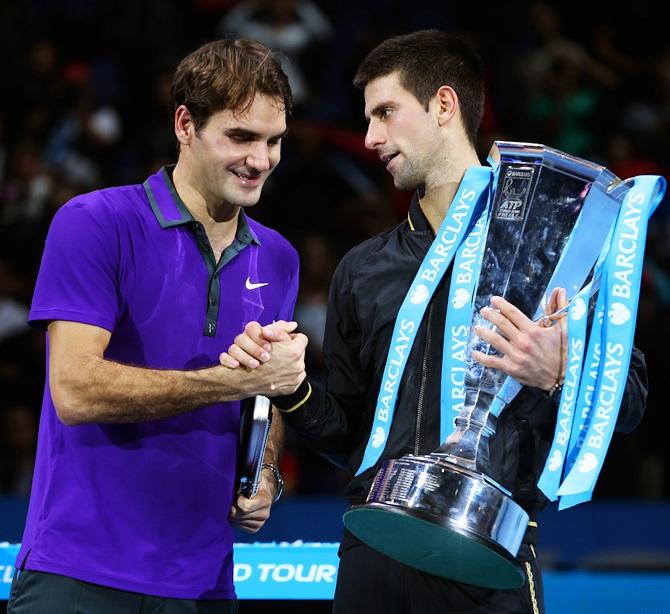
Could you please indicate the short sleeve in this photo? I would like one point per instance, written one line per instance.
(78, 276)
(291, 293)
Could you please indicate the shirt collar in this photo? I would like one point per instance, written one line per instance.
(416, 217)
(170, 210)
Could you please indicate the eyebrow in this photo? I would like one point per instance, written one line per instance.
(241, 133)
(378, 109)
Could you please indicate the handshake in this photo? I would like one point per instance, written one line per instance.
(271, 358)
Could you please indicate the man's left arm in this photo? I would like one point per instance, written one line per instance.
(250, 514)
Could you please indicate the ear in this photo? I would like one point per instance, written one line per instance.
(184, 128)
(447, 104)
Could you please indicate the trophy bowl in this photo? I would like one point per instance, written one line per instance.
(448, 520)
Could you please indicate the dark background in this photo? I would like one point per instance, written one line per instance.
(85, 104)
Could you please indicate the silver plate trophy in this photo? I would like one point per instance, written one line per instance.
(255, 425)
(441, 512)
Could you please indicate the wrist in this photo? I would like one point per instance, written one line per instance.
(276, 476)
(291, 402)
(554, 393)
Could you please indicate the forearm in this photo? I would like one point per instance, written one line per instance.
(102, 391)
(321, 420)
(275, 445)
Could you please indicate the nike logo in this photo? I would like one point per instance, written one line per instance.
(251, 286)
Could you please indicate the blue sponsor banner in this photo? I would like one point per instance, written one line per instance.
(285, 570)
(282, 571)
(296, 570)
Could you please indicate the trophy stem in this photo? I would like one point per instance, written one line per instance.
(468, 444)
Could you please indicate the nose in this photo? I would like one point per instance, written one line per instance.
(375, 135)
(259, 157)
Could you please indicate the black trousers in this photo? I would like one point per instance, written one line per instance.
(34, 592)
(369, 583)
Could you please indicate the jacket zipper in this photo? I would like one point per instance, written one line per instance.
(422, 388)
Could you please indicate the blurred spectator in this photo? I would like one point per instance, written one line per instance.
(294, 27)
(81, 143)
(13, 314)
(564, 84)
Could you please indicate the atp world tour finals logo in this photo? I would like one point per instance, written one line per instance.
(515, 189)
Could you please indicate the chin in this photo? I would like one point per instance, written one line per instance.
(248, 199)
(405, 186)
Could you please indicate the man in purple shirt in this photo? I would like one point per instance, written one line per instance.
(141, 287)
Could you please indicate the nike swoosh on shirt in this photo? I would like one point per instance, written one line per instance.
(252, 286)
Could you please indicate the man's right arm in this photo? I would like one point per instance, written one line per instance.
(87, 388)
(328, 420)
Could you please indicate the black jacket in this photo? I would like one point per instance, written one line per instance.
(367, 290)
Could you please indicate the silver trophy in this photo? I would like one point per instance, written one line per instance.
(443, 513)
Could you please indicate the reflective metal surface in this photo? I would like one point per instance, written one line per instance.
(443, 519)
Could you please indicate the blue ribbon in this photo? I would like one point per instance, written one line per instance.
(577, 318)
(464, 278)
(449, 236)
(617, 302)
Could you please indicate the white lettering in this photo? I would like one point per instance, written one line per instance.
(242, 572)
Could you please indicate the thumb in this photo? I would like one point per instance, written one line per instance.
(279, 331)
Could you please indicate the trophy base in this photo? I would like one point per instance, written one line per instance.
(444, 519)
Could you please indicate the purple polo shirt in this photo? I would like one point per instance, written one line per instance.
(144, 507)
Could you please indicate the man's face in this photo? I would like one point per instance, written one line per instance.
(405, 135)
(232, 156)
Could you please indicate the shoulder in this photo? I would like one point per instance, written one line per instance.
(365, 254)
(104, 205)
(272, 244)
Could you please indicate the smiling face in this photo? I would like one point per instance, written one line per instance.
(406, 136)
(231, 156)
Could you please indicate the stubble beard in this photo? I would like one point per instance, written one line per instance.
(409, 178)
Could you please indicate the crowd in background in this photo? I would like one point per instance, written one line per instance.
(85, 104)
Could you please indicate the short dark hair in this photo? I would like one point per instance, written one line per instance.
(427, 60)
(227, 74)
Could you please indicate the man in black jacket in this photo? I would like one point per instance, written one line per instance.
(424, 101)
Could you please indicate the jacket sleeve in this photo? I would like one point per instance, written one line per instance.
(634, 398)
(329, 420)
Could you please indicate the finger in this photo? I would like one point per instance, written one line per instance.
(552, 302)
(251, 347)
(228, 361)
(506, 328)
(237, 353)
(514, 315)
(494, 339)
(300, 339)
(287, 327)
(243, 522)
(279, 331)
(250, 527)
(250, 506)
(254, 331)
(488, 361)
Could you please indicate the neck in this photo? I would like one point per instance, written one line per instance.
(209, 212)
(439, 194)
